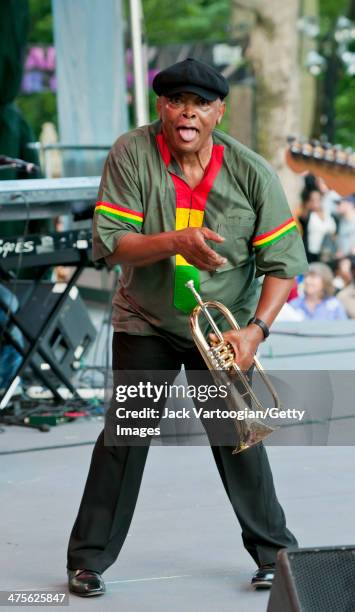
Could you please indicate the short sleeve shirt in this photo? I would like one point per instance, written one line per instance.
(243, 202)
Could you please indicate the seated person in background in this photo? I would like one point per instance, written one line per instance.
(318, 302)
(346, 230)
(315, 222)
(342, 273)
(287, 313)
(347, 295)
(294, 291)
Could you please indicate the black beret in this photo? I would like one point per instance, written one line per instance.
(191, 76)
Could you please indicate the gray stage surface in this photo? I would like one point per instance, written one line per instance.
(184, 551)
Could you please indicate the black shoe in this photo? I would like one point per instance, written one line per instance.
(85, 583)
(263, 577)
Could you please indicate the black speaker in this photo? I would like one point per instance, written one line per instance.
(314, 580)
(69, 331)
(69, 334)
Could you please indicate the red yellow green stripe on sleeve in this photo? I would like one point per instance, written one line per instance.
(274, 235)
(119, 212)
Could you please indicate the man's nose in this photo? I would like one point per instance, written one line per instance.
(189, 111)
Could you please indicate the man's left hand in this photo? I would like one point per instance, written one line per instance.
(245, 343)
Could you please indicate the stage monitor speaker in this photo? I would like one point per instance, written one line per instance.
(69, 332)
(314, 580)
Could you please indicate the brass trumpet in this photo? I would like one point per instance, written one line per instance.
(219, 358)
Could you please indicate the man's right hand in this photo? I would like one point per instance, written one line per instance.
(142, 250)
(191, 244)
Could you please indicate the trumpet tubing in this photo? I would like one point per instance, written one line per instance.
(219, 357)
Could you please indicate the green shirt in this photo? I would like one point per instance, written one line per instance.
(244, 202)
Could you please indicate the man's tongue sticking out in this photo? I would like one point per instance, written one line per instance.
(187, 134)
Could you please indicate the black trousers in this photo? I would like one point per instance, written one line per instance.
(116, 472)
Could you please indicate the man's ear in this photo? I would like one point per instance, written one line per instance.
(222, 110)
(158, 106)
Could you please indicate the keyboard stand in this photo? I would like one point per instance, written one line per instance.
(35, 347)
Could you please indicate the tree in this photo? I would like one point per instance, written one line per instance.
(273, 53)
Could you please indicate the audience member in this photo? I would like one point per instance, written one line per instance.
(318, 302)
(330, 198)
(342, 273)
(316, 224)
(347, 295)
(294, 291)
(345, 241)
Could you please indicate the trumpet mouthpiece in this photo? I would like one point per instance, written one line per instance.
(191, 285)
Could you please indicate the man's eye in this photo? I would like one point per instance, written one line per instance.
(204, 102)
(175, 99)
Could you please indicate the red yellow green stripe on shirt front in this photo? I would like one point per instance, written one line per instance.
(119, 212)
(275, 234)
(184, 271)
(190, 207)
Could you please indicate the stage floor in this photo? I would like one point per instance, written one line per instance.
(184, 551)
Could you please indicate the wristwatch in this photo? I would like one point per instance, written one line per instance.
(262, 326)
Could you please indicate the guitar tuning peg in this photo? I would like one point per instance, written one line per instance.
(329, 154)
(295, 145)
(349, 152)
(307, 149)
(341, 157)
(318, 150)
(351, 159)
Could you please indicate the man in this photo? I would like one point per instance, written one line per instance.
(178, 201)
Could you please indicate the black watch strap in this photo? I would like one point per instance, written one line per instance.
(262, 326)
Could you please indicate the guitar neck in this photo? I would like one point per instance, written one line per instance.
(336, 166)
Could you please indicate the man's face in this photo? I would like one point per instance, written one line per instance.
(313, 286)
(315, 201)
(188, 120)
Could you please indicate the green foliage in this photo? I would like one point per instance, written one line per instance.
(345, 116)
(344, 102)
(41, 22)
(329, 11)
(38, 108)
(186, 20)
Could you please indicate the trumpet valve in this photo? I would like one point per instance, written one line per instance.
(222, 355)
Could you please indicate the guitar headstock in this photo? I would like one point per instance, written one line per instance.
(334, 164)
